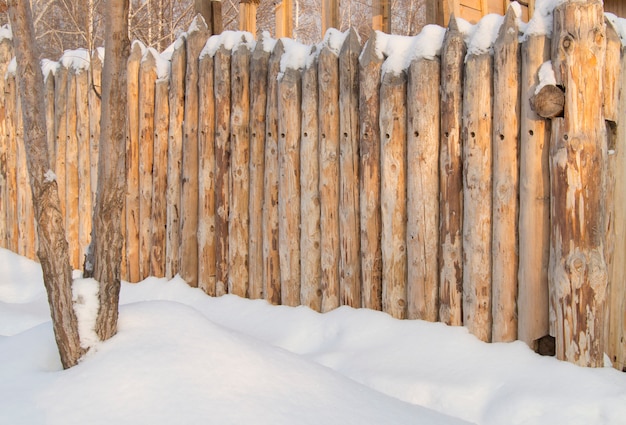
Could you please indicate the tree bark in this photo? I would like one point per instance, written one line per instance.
(53, 249)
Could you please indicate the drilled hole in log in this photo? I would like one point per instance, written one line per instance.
(416, 134)
(387, 135)
(282, 135)
(345, 134)
(502, 137)
(306, 134)
(532, 133)
(473, 134)
(447, 134)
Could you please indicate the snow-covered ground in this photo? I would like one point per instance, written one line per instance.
(185, 358)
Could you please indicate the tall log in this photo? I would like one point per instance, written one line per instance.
(393, 193)
(258, 103)
(71, 174)
(12, 216)
(328, 78)
(85, 200)
(147, 80)
(206, 177)
(132, 163)
(238, 219)
(578, 272)
(310, 236)
(196, 39)
(60, 130)
(505, 136)
(222, 92)
(95, 106)
(477, 195)
(534, 202)
(451, 178)
(49, 104)
(174, 156)
(271, 261)
(6, 47)
(289, 98)
(423, 189)
(25, 212)
(370, 63)
(158, 209)
(349, 218)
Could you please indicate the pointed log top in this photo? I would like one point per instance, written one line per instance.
(137, 50)
(198, 25)
(279, 48)
(453, 25)
(509, 31)
(351, 43)
(370, 53)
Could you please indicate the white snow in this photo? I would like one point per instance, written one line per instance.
(268, 42)
(78, 60)
(400, 51)
(183, 357)
(619, 24)
(546, 76)
(85, 298)
(162, 64)
(296, 56)
(542, 19)
(230, 40)
(5, 32)
(12, 67)
(49, 176)
(484, 35)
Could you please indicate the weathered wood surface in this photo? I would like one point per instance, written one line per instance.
(477, 195)
(222, 93)
(189, 191)
(6, 53)
(505, 137)
(174, 156)
(95, 92)
(85, 200)
(158, 209)
(393, 194)
(258, 103)
(310, 236)
(451, 178)
(423, 189)
(370, 64)
(548, 102)
(147, 81)
(578, 273)
(49, 104)
(10, 105)
(271, 261)
(289, 99)
(349, 217)
(534, 215)
(132, 163)
(60, 130)
(239, 188)
(206, 176)
(328, 80)
(71, 174)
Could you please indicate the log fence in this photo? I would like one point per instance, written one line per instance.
(435, 192)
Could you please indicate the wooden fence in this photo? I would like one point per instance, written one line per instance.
(338, 179)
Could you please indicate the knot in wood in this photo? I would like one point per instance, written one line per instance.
(567, 43)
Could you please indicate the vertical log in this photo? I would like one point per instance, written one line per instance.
(174, 156)
(423, 189)
(451, 178)
(159, 179)
(393, 193)
(283, 13)
(328, 78)
(289, 98)
(271, 262)
(330, 15)
(506, 110)
(370, 63)
(71, 174)
(196, 39)
(60, 130)
(477, 181)
(222, 166)
(310, 237)
(349, 218)
(147, 79)
(578, 272)
(10, 105)
(238, 221)
(6, 48)
(258, 103)
(132, 163)
(49, 104)
(534, 215)
(206, 177)
(85, 200)
(95, 91)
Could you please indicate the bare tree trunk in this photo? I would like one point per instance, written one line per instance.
(106, 247)
(53, 248)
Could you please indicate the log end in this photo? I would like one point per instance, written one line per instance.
(549, 102)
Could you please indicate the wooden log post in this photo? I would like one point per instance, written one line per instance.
(330, 15)
(71, 174)
(423, 189)
(247, 15)
(271, 261)
(477, 195)
(132, 162)
(393, 193)
(534, 215)
(222, 91)
(370, 63)
(95, 90)
(60, 130)
(196, 39)
(328, 81)
(49, 102)
(85, 200)
(310, 236)
(158, 208)
(451, 178)
(6, 52)
(289, 102)
(10, 106)
(349, 217)
(578, 272)
(505, 136)
(238, 219)
(206, 176)
(259, 64)
(174, 156)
